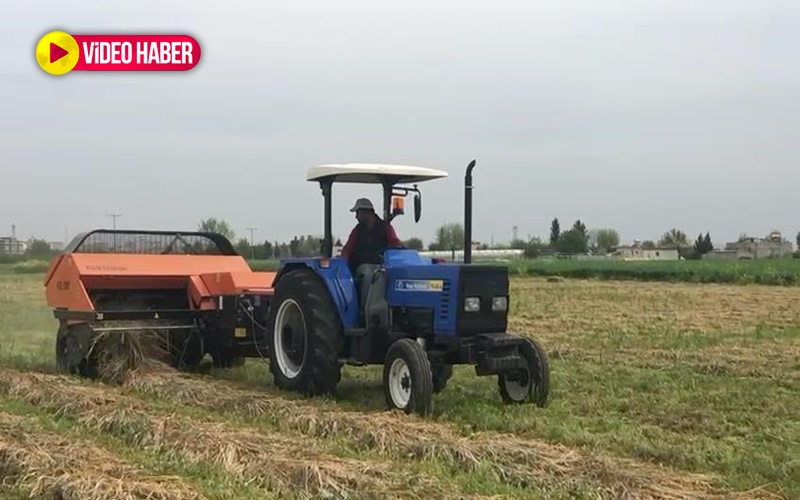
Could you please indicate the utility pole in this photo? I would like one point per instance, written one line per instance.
(114, 224)
(114, 217)
(251, 229)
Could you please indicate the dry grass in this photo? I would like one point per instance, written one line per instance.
(713, 328)
(48, 465)
(697, 377)
(282, 463)
(575, 306)
(121, 354)
(518, 461)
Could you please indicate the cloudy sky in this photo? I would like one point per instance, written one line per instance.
(635, 115)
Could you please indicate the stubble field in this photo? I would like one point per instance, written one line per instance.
(659, 390)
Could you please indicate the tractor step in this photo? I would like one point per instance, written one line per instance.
(355, 332)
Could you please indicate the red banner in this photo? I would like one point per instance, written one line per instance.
(136, 52)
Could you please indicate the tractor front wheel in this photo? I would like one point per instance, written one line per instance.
(531, 385)
(407, 378)
(305, 335)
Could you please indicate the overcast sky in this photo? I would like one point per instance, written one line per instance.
(638, 115)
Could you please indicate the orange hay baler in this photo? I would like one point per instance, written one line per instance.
(192, 286)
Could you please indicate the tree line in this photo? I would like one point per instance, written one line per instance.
(576, 240)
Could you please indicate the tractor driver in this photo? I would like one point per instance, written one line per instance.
(371, 236)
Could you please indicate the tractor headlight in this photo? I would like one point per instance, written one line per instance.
(499, 303)
(472, 304)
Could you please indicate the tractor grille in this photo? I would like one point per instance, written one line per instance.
(484, 282)
(445, 308)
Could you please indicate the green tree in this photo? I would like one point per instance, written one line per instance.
(702, 245)
(573, 241)
(294, 246)
(242, 247)
(265, 250)
(648, 245)
(533, 248)
(674, 238)
(518, 244)
(213, 225)
(580, 227)
(449, 236)
(607, 239)
(414, 243)
(555, 232)
(38, 249)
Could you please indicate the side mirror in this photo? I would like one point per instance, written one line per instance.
(417, 207)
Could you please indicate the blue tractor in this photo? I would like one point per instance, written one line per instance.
(420, 316)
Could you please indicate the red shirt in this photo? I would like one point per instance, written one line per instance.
(391, 237)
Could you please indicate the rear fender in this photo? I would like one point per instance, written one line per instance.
(338, 279)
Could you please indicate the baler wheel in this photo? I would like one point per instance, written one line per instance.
(305, 335)
(190, 350)
(72, 351)
(533, 384)
(407, 378)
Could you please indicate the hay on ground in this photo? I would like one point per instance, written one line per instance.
(283, 463)
(49, 465)
(518, 461)
(121, 354)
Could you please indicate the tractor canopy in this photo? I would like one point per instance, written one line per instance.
(387, 175)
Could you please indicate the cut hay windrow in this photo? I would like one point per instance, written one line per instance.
(285, 464)
(122, 354)
(49, 465)
(518, 461)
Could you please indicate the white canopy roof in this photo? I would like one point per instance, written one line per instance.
(373, 173)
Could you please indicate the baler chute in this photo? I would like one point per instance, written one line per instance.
(191, 288)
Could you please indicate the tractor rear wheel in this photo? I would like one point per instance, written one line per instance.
(531, 385)
(407, 378)
(305, 335)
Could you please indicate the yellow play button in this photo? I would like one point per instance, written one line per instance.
(57, 53)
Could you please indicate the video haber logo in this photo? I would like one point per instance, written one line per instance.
(59, 53)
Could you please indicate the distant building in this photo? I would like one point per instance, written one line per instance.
(9, 245)
(637, 252)
(774, 245)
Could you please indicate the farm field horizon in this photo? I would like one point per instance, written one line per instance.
(659, 390)
(768, 271)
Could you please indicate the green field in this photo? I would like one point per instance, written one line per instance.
(761, 271)
(781, 272)
(660, 390)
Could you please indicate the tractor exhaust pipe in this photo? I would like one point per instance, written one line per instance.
(468, 213)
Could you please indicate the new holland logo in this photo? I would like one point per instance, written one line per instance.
(419, 285)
